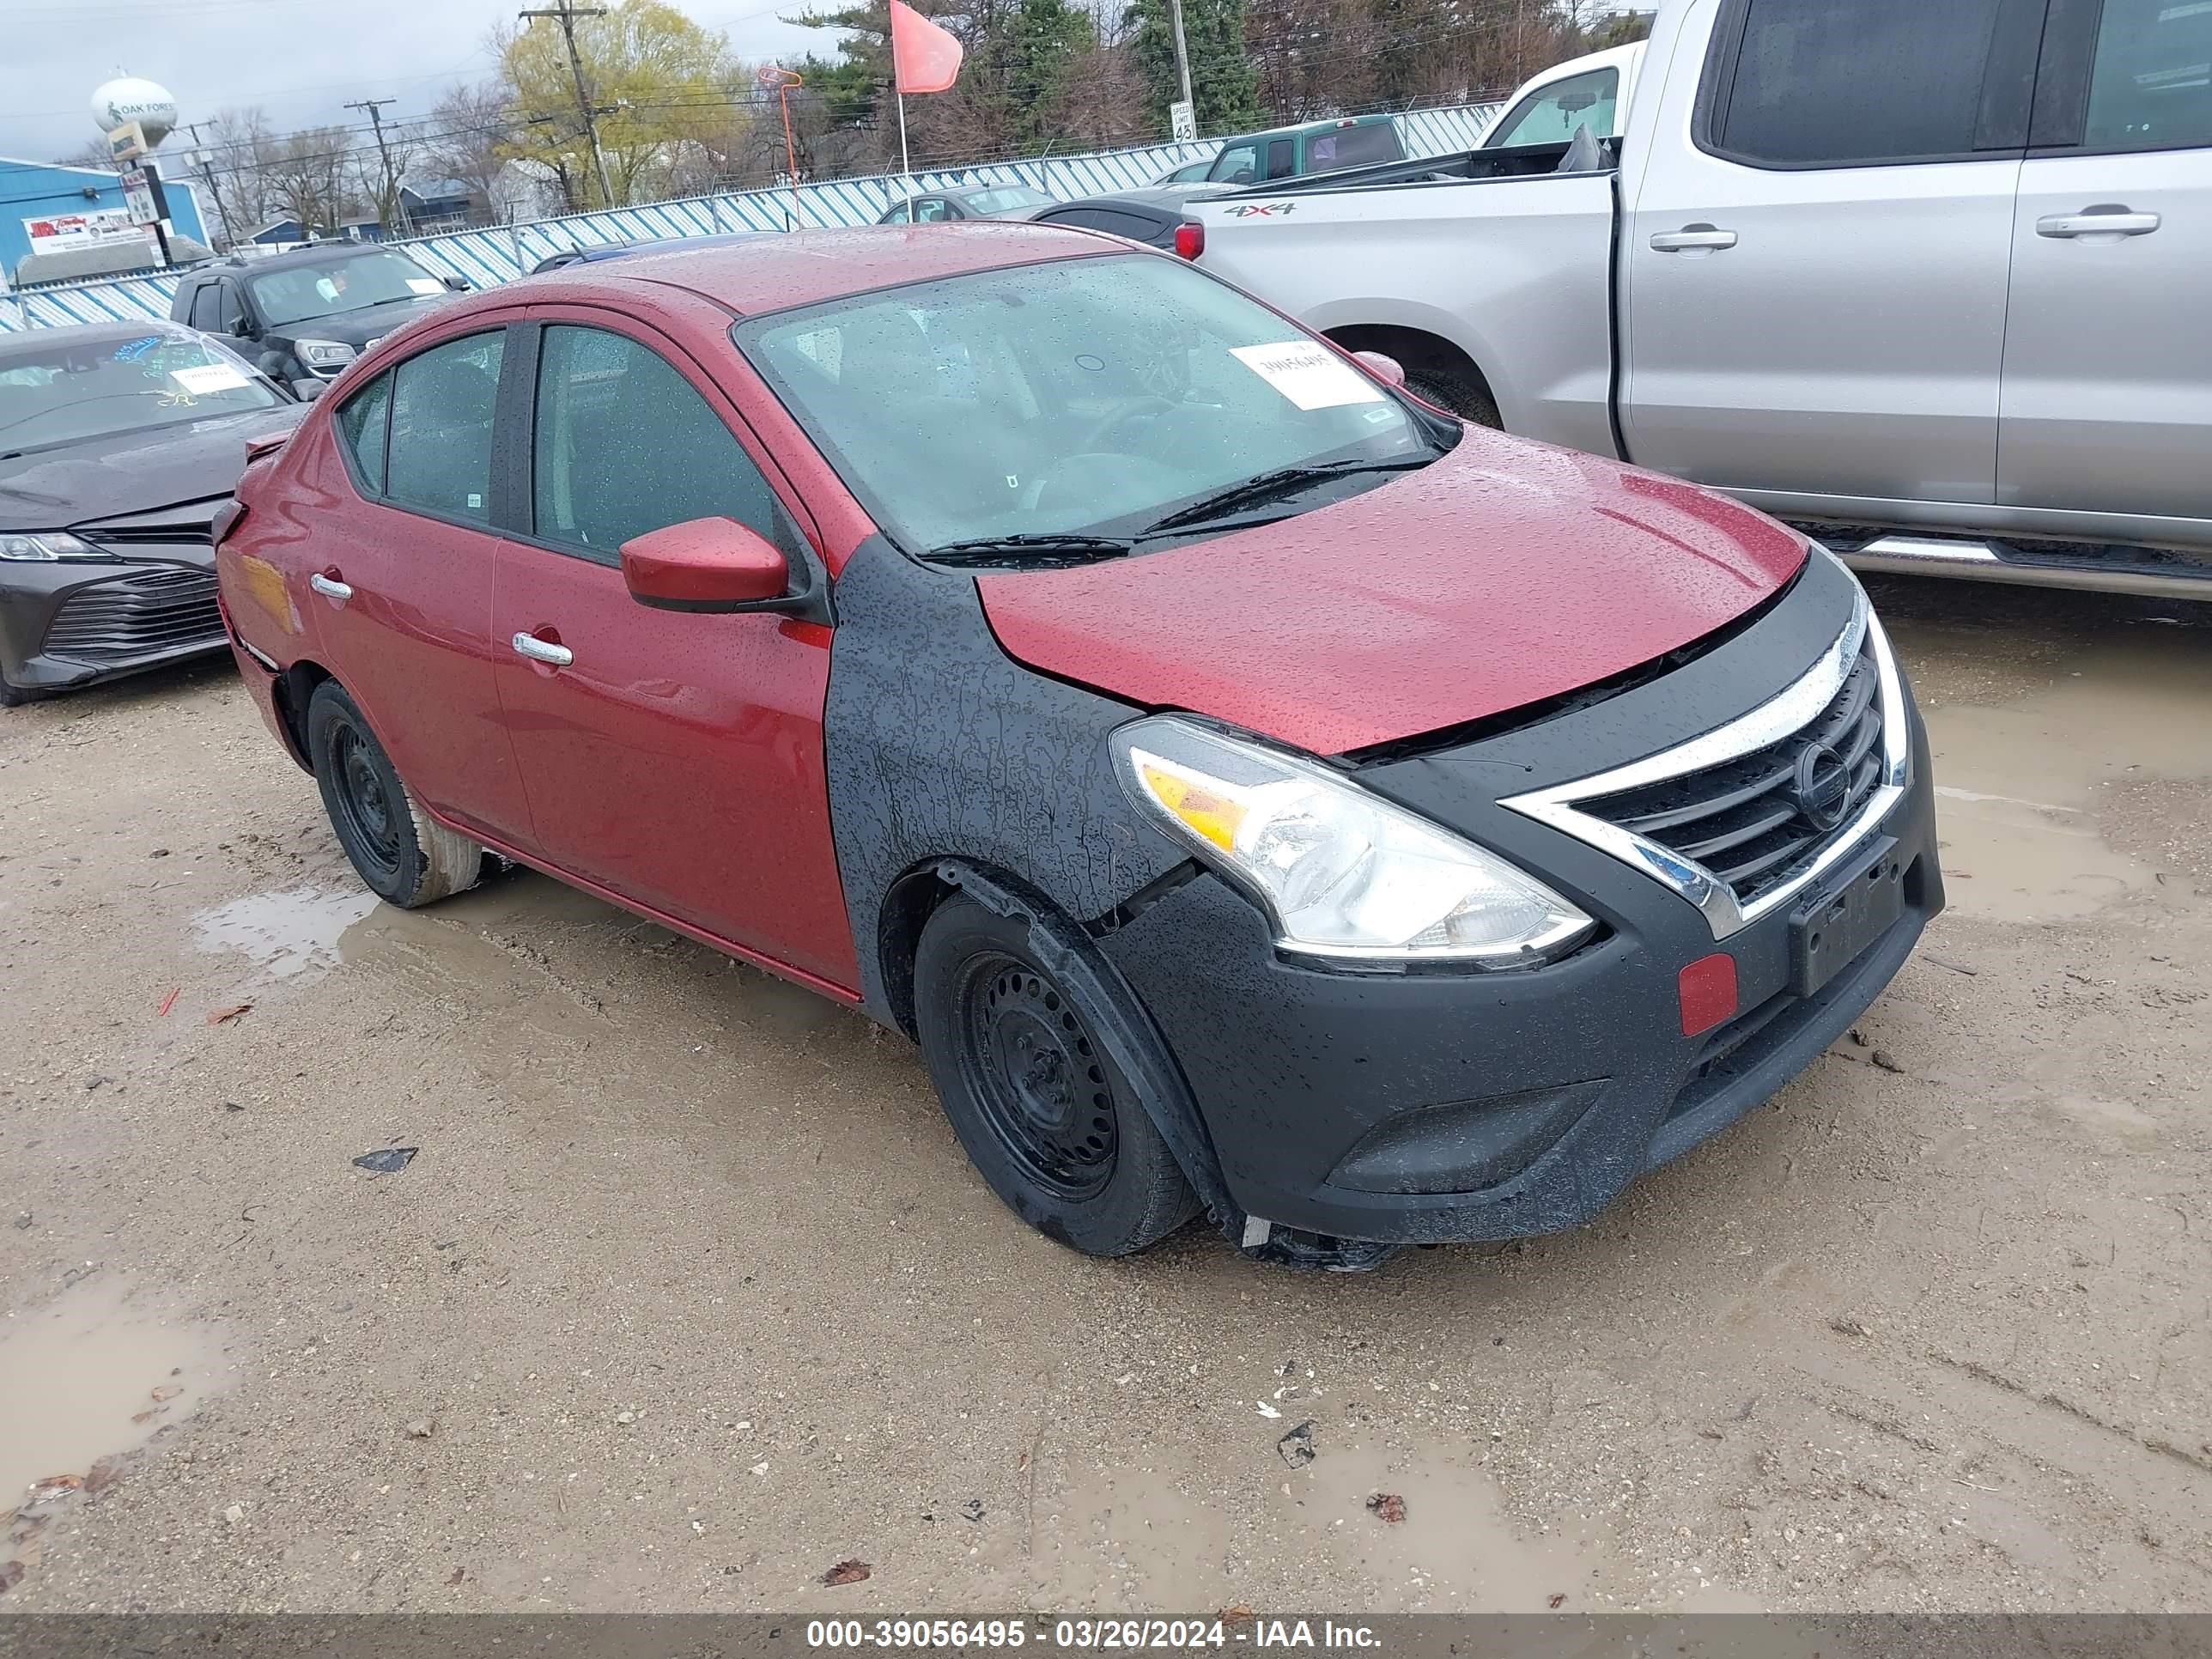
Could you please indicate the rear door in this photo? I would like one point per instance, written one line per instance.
(402, 581)
(2107, 400)
(674, 758)
(1814, 265)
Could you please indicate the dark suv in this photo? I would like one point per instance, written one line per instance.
(305, 315)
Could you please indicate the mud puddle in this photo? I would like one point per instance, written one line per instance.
(2027, 785)
(287, 934)
(91, 1375)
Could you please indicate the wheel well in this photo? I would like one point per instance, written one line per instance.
(1415, 349)
(907, 910)
(290, 692)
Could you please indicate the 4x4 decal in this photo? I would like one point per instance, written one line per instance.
(1263, 209)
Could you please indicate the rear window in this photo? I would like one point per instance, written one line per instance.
(1354, 146)
(1817, 84)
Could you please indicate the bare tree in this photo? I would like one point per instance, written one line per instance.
(92, 152)
(309, 177)
(466, 133)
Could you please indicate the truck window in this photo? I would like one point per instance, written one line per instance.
(1281, 158)
(1819, 84)
(1550, 114)
(1354, 146)
(2152, 85)
(1239, 164)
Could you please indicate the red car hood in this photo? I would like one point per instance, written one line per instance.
(1506, 573)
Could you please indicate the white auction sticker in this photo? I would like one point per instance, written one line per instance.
(207, 377)
(425, 285)
(1308, 372)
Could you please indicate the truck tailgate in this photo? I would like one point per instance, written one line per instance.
(1516, 272)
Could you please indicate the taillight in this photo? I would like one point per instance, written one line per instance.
(1189, 241)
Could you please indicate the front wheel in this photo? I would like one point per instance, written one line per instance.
(401, 854)
(1440, 388)
(1047, 1118)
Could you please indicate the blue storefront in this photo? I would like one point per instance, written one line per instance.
(48, 209)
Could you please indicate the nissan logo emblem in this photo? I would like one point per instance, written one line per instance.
(1822, 786)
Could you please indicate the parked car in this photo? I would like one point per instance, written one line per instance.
(1190, 172)
(1924, 277)
(303, 315)
(118, 442)
(1152, 214)
(584, 256)
(1549, 107)
(1254, 790)
(1316, 147)
(975, 202)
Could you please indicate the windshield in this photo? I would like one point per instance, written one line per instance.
(1550, 114)
(350, 282)
(1005, 198)
(1091, 396)
(55, 390)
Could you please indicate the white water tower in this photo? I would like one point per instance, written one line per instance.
(127, 97)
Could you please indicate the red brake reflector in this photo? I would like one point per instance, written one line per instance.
(1189, 241)
(1707, 987)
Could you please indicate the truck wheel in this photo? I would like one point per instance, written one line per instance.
(401, 854)
(1446, 390)
(1046, 1117)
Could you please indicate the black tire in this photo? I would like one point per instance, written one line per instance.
(1443, 389)
(402, 854)
(1047, 1118)
(10, 697)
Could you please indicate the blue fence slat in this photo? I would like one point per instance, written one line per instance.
(501, 253)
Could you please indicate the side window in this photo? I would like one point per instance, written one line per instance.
(2152, 85)
(930, 209)
(362, 420)
(624, 445)
(204, 308)
(227, 314)
(1237, 165)
(1550, 115)
(903, 214)
(1281, 158)
(440, 456)
(1820, 84)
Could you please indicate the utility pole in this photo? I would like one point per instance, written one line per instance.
(390, 206)
(1183, 56)
(568, 12)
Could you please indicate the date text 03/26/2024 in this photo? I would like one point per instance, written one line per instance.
(1089, 1635)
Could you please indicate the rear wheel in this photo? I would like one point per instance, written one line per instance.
(1047, 1118)
(401, 854)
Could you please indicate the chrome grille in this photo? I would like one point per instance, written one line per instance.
(144, 614)
(1753, 819)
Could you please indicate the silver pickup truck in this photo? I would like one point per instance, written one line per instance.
(1933, 281)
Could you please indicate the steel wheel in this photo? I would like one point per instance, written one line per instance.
(1036, 1077)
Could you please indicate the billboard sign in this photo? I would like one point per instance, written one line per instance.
(50, 232)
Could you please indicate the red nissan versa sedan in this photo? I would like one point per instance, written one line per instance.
(1254, 790)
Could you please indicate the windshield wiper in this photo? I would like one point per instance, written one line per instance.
(1030, 546)
(1269, 486)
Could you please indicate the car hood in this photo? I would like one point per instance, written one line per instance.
(132, 473)
(1504, 574)
(358, 328)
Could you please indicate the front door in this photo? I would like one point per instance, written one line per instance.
(1815, 264)
(674, 759)
(2107, 403)
(402, 596)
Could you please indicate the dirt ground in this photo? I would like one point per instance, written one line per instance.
(688, 1293)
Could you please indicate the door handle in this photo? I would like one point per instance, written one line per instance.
(329, 587)
(1691, 237)
(2096, 221)
(538, 650)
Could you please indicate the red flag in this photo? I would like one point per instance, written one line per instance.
(924, 58)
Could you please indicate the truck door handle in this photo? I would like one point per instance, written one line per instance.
(1692, 236)
(329, 587)
(2096, 221)
(544, 651)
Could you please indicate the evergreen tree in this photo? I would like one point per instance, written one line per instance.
(1224, 84)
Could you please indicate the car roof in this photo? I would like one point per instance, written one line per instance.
(310, 253)
(802, 267)
(1153, 195)
(26, 342)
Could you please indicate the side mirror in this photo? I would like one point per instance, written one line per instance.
(307, 391)
(459, 284)
(242, 327)
(709, 564)
(1387, 369)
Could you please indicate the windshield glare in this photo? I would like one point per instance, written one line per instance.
(55, 392)
(1088, 396)
(353, 284)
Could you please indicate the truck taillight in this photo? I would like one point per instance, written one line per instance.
(1189, 241)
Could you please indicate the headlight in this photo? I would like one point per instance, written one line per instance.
(323, 354)
(1342, 872)
(47, 545)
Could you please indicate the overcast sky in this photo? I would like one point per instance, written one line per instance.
(301, 60)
